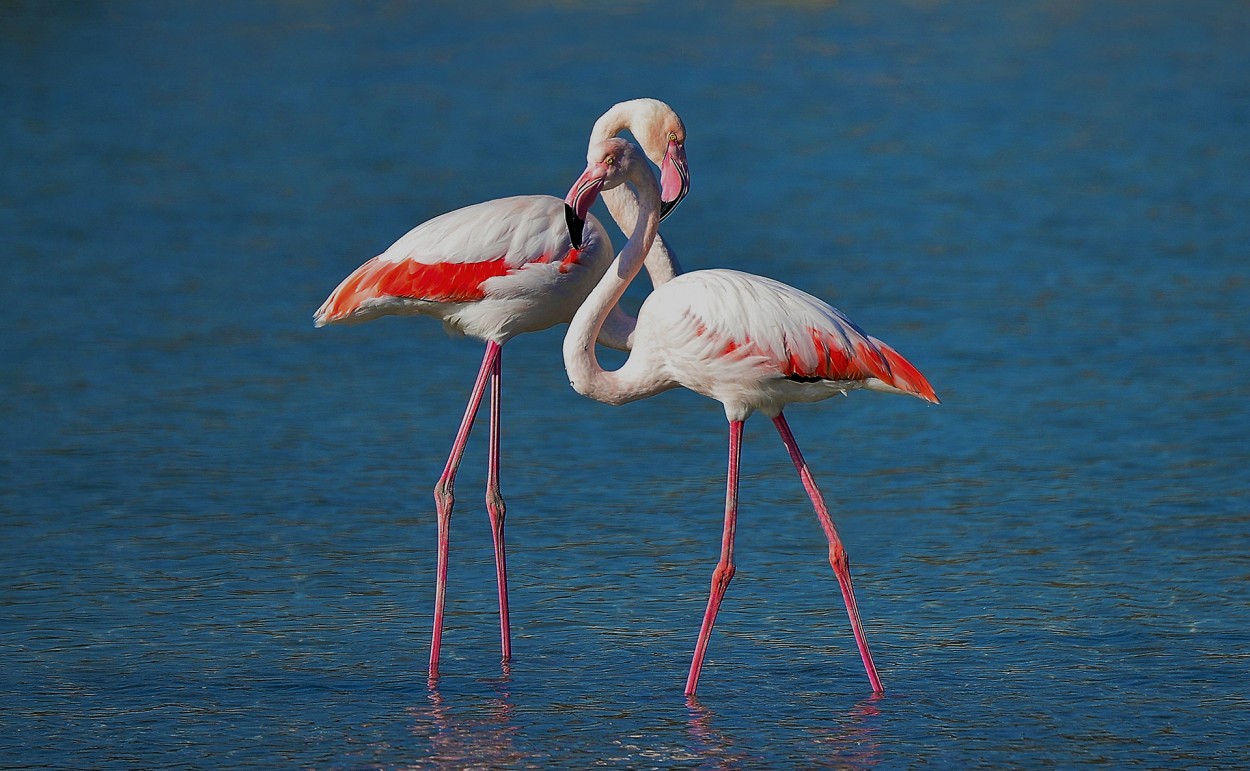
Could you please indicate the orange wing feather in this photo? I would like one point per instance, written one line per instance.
(871, 359)
(445, 282)
(905, 376)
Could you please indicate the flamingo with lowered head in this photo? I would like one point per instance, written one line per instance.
(749, 342)
(498, 269)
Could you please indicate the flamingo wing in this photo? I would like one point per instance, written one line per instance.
(450, 258)
(744, 317)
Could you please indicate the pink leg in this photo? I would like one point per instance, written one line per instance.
(495, 506)
(444, 498)
(725, 568)
(837, 554)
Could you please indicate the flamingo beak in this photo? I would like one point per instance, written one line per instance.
(579, 200)
(674, 178)
(576, 226)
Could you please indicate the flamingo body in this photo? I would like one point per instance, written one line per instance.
(753, 343)
(491, 271)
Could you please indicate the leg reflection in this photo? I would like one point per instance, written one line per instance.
(478, 731)
(851, 742)
(709, 742)
(845, 741)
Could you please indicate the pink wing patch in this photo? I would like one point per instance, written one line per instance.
(869, 358)
(446, 282)
(833, 362)
(570, 259)
(906, 377)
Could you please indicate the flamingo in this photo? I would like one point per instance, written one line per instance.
(498, 269)
(749, 342)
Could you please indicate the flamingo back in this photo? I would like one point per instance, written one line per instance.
(455, 259)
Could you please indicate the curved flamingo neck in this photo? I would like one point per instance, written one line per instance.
(661, 263)
(635, 116)
(585, 373)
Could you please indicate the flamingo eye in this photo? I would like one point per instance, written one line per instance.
(672, 136)
(608, 160)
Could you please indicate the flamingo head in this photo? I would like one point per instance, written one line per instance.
(609, 164)
(662, 135)
(663, 138)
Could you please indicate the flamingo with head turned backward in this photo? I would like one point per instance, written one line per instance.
(749, 342)
(501, 268)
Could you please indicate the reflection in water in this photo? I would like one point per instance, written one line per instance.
(850, 743)
(710, 743)
(481, 736)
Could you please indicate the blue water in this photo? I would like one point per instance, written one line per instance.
(216, 528)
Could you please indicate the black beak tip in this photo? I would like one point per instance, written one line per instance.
(666, 207)
(575, 224)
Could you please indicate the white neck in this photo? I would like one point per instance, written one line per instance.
(661, 263)
(622, 202)
(585, 374)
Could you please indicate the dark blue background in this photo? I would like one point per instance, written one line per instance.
(216, 528)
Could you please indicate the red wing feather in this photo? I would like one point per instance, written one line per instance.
(446, 282)
(871, 359)
(905, 376)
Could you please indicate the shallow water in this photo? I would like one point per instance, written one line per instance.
(215, 521)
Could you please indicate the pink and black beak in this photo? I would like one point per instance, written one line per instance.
(579, 200)
(674, 178)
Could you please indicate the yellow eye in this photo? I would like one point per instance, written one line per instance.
(672, 136)
(607, 161)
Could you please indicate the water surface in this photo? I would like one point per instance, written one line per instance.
(215, 522)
